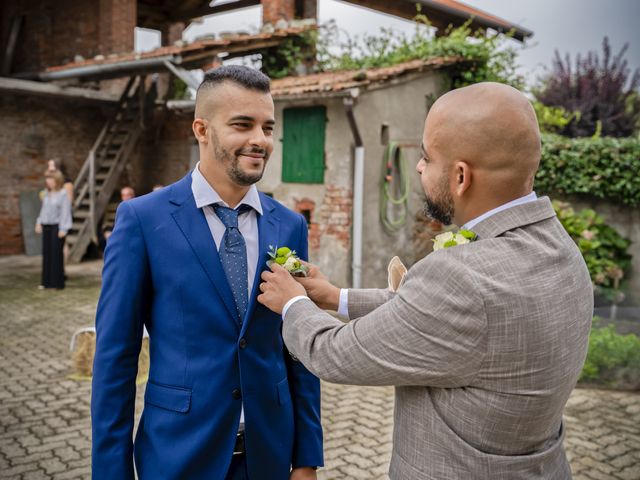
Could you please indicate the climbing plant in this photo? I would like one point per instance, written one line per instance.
(601, 167)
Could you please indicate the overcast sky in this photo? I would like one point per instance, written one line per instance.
(574, 26)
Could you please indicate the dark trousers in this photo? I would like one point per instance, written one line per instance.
(238, 468)
(52, 257)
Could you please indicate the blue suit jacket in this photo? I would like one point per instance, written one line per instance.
(162, 270)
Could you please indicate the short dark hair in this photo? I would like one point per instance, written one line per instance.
(246, 77)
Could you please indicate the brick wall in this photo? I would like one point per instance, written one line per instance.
(32, 130)
(35, 130)
(334, 216)
(274, 10)
(55, 31)
(163, 152)
(117, 21)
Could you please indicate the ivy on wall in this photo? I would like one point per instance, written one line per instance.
(603, 167)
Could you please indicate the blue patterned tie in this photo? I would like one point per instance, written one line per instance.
(233, 255)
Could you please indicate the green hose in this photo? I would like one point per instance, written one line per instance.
(393, 157)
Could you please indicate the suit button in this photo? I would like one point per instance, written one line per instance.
(236, 394)
(243, 342)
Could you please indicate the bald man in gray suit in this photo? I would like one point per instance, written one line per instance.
(484, 341)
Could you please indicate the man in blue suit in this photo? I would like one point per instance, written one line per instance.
(224, 399)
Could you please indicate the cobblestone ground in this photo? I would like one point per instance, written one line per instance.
(44, 415)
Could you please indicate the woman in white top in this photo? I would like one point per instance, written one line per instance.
(53, 222)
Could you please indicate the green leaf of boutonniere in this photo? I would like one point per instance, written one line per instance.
(287, 258)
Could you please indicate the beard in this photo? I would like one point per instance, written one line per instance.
(231, 162)
(440, 206)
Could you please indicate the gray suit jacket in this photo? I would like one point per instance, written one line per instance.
(484, 343)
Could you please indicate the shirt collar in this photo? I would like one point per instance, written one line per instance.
(204, 194)
(532, 197)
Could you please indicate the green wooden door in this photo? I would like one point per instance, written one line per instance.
(303, 145)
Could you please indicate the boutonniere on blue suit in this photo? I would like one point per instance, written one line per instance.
(285, 257)
(451, 239)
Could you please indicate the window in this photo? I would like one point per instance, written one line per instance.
(303, 145)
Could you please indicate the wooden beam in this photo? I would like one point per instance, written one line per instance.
(30, 88)
(16, 26)
(182, 15)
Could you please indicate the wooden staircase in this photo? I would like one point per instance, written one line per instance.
(98, 177)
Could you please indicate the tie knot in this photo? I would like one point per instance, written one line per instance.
(229, 216)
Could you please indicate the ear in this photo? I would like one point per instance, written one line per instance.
(199, 127)
(463, 178)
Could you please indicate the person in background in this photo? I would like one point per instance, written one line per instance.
(55, 164)
(53, 223)
(126, 193)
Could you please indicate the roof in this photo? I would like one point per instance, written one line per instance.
(341, 83)
(442, 13)
(186, 55)
(332, 83)
(481, 17)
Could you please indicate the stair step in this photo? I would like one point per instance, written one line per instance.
(72, 239)
(102, 176)
(77, 226)
(81, 214)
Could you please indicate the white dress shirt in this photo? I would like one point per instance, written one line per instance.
(205, 196)
(343, 306)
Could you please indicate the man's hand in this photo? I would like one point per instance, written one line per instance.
(278, 287)
(303, 473)
(319, 288)
(62, 234)
(38, 228)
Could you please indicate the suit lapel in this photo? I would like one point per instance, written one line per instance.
(195, 228)
(268, 230)
(515, 217)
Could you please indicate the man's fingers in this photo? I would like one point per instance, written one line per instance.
(304, 281)
(275, 267)
(263, 286)
(266, 275)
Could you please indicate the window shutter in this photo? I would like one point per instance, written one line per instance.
(303, 145)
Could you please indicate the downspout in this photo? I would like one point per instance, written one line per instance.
(358, 191)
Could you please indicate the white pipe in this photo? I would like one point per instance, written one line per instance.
(358, 213)
(358, 191)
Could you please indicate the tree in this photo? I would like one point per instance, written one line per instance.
(604, 94)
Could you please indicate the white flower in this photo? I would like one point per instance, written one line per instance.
(290, 264)
(460, 240)
(450, 239)
(441, 239)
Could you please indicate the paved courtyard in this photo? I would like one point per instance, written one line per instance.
(44, 415)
